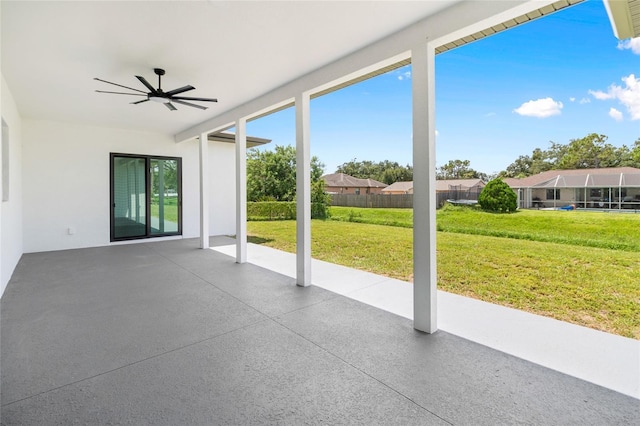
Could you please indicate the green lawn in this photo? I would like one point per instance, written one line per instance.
(590, 286)
(170, 212)
(620, 231)
(391, 217)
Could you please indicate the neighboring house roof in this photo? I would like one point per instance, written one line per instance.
(441, 185)
(399, 187)
(346, 181)
(579, 178)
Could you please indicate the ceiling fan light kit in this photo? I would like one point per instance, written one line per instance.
(158, 95)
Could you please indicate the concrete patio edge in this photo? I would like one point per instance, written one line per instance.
(602, 358)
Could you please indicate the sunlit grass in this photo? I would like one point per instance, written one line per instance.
(594, 287)
(620, 231)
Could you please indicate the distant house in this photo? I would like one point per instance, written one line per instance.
(444, 185)
(340, 183)
(399, 188)
(606, 188)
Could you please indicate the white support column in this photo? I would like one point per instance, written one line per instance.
(303, 191)
(241, 190)
(424, 189)
(204, 191)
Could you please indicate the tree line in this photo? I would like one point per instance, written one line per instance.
(271, 175)
(590, 152)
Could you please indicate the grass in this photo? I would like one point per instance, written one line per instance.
(618, 231)
(589, 286)
(389, 217)
(170, 212)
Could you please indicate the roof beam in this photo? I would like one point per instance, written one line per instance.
(458, 21)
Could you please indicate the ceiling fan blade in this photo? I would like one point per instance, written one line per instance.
(121, 93)
(187, 103)
(139, 102)
(170, 106)
(180, 90)
(119, 85)
(187, 98)
(146, 84)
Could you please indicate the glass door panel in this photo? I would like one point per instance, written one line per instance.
(129, 197)
(165, 206)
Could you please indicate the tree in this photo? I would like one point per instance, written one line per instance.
(498, 197)
(384, 171)
(589, 152)
(457, 169)
(271, 175)
(635, 154)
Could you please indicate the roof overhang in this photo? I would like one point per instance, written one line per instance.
(625, 17)
(252, 141)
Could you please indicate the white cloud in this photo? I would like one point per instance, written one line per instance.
(584, 101)
(572, 99)
(629, 96)
(632, 44)
(406, 74)
(540, 108)
(490, 114)
(615, 114)
(600, 95)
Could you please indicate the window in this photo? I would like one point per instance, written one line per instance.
(553, 194)
(5, 161)
(146, 196)
(357, 191)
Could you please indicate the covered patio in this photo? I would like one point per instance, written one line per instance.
(99, 331)
(165, 333)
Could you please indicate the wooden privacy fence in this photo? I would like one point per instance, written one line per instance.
(398, 201)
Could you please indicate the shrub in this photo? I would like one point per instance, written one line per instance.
(498, 197)
(282, 210)
(320, 201)
(271, 210)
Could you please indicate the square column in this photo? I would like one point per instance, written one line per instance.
(303, 191)
(241, 190)
(424, 189)
(204, 190)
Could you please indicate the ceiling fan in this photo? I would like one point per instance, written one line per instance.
(157, 95)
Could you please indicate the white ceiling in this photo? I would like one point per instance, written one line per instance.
(232, 50)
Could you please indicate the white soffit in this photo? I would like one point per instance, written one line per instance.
(232, 50)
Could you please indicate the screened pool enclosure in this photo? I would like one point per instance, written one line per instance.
(587, 190)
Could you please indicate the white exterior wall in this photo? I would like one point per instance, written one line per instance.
(66, 170)
(11, 210)
(222, 188)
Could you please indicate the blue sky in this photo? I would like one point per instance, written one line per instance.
(557, 78)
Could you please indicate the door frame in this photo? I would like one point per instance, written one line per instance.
(148, 159)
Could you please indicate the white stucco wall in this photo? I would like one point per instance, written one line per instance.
(66, 182)
(11, 246)
(222, 188)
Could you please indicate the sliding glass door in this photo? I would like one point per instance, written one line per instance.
(164, 198)
(146, 199)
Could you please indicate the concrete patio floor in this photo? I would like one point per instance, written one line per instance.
(163, 333)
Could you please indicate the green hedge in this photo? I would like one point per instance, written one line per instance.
(280, 210)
